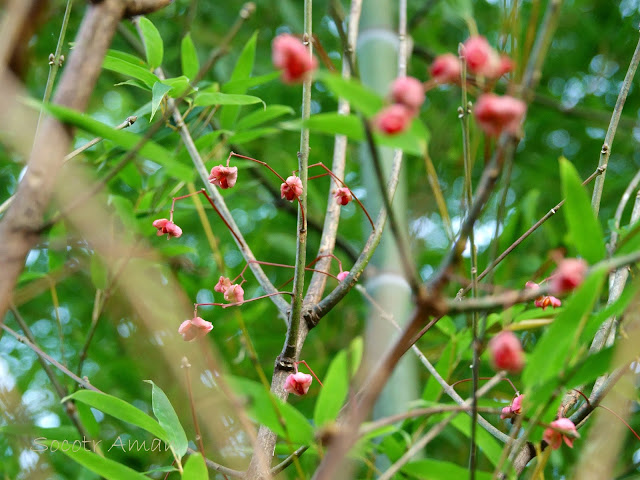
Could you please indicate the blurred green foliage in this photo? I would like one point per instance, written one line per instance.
(568, 117)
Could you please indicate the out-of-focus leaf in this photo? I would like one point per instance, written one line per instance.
(550, 355)
(189, 57)
(249, 135)
(334, 391)
(486, 443)
(99, 272)
(168, 420)
(594, 366)
(437, 470)
(360, 97)
(195, 468)
(242, 85)
(241, 71)
(109, 469)
(413, 141)
(584, 228)
(261, 407)
(153, 45)
(157, 94)
(259, 117)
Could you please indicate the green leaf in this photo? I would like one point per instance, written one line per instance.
(179, 85)
(38, 434)
(99, 273)
(241, 71)
(217, 98)
(244, 137)
(438, 470)
(125, 139)
(168, 420)
(584, 228)
(189, 57)
(334, 391)
(157, 94)
(360, 97)
(261, 407)
(413, 141)
(102, 466)
(550, 356)
(195, 468)
(57, 234)
(119, 409)
(129, 69)
(485, 441)
(258, 117)
(153, 46)
(594, 366)
(129, 58)
(356, 349)
(242, 85)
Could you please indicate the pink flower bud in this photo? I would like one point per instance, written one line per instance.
(291, 56)
(343, 196)
(194, 328)
(506, 352)
(480, 57)
(446, 68)
(408, 91)
(393, 119)
(223, 177)
(554, 438)
(298, 383)
(569, 275)
(234, 294)
(291, 188)
(496, 114)
(222, 285)
(343, 275)
(164, 226)
(514, 409)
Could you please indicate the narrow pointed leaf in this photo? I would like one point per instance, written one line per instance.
(550, 356)
(129, 69)
(195, 468)
(102, 466)
(583, 226)
(157, 94)
(119, 409)
(189, 57)
(167, 418)
(153, 45)
(218, 98)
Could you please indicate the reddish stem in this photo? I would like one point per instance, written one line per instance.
(311, 370)
(486, 378)
(264, 164)
(335, 177)
(203, 192)
(610, 411)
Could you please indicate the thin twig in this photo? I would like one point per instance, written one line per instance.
(434, 431)
(82, 382)
(605, 152)
(60, 388)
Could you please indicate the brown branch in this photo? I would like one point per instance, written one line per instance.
(143, 7)
(19, 227)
